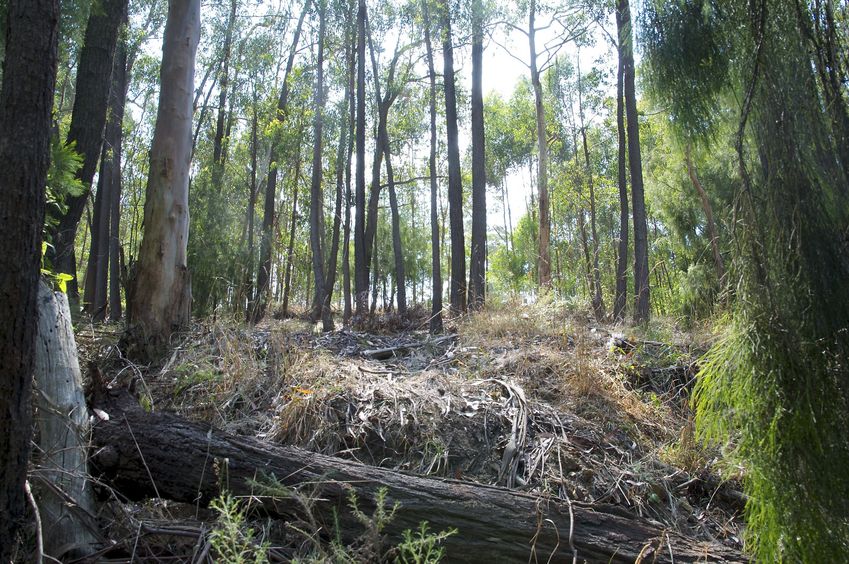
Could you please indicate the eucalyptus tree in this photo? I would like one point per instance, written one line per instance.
(570, 23)
(26, 104)
(642, 304)
(361, 282)
(263, 284)
(160, 298)
(477, 262)
(436, 257)
(777, 384)
(455, 179)
(316, 196)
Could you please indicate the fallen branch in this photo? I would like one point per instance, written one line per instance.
(146, 454)
(389, 352)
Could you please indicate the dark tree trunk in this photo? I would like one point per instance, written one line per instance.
(158, 454)
(88, 119)
(346, 246)
(436, 258)
(103, 237)
(254, 192)
(316, 193)
(477, 262)
(400, 276)
(26, 103)
(263, 279)
(161, 288)
(115, 139)
(94, 292)
(642, 306)
(361, 267)
(622, 258)
(455, 180)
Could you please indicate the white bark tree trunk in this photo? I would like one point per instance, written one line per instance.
(161, 294)
(65, 498)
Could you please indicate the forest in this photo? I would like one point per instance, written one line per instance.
(424, 281)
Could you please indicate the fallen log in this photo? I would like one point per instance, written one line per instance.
(144, 455)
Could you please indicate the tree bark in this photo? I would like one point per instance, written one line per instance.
(161, 287)
(622, 259)
(400, 275)
(26, 103)
(115, 139)
(352, 118)
(477, 262)
(455, 180)
(263, 279)
(316, 192)
(66, 504)
(642, 305)
(157, 454)
(96, 293)
(88, 119)
(361, 253)
(436, 258)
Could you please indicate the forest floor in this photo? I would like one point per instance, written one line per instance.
(529, 397)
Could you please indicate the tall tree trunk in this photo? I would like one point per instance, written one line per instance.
(542, 162)
(400, 276)
(263, 278)
(436, 258)
(316, 192)
(477, 261)
(708, 209)
(108, 196)
(94, 285)
(115, 139)
(290, 248)
(361, 267)
(598, 299)
(26, 103)
(341, 162)
(642, 306)
(88, 119)
(346, 245)
(161, 287)
(455, 180)
(622, 258)
(254, 192)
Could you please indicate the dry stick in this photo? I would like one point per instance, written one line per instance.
(39, 538)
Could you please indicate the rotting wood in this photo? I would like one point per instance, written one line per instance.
(162, 455)
(61, 476)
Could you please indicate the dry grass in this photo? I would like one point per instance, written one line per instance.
(589, 422)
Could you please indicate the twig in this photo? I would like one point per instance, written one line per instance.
(39, 538)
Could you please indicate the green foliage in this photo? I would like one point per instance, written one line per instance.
(776, 387)
(422, 547)
(232, 541)
(62, 181)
